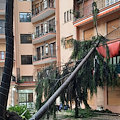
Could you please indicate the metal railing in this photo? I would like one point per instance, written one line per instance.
(44, 55)
(43, 6)
(44, 30)
(2, 4)
(88, 9)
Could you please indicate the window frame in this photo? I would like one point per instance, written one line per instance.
(23, 62)
(27, 37)
(64, 17)
(21, 17)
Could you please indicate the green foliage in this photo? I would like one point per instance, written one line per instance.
(19, 110)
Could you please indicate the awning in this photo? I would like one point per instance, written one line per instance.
(114, 49)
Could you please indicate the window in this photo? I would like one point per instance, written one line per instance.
(25, 17)
(88, 34)
(37, 32)
(2, 26)
(52, 25)
(1, 71)
(52, 48)
(115, 60)
(27, 78)
(46, 49)
(2, 55)
(67, 15)
(25, 38)
(26, 59)
(109, 2)
(68, 45)
(2, 4)
(112, 26)
(26, 98)
(42, 50)
(64, 16)
(38, 54)
(70, 14)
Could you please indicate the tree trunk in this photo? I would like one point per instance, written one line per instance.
(6, 77)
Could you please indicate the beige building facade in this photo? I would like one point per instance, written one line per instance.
(39, 26)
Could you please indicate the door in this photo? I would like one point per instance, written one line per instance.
(38, 53)
(45, 4)
(46, 30)
(37, 32)
(42, 32)
(37, 8)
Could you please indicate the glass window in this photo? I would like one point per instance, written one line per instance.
(2, 4)
(25, 17)
(25, 38)
(67, 15)
(2, 26)
(70, 14)
(27, 78)
(26, 59)
(2, 55)
(64, 16)
(42, 50)
(115, 60)
(26, 98)
(1, 71)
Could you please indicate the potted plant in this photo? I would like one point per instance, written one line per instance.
(51, 29)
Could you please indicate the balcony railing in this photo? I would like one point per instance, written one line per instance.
(43, 31)
(43, 6)
(88, 9)
(2, 4)
(45, 55)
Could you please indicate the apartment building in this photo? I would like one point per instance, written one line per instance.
(39, 26)
(36, 45)
(108, 20)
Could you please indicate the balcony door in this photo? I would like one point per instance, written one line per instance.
(37, 8)
(38, 53)
(42, 30)
(45, 4)
(52, 48)
(46, 27)
(37, 31)
(52, 24)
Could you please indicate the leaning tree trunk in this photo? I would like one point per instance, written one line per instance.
(6, 77)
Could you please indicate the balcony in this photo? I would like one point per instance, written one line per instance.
(46, 58)
(105, 7)
(2, 7)
(43, 10)
(46, 33)
(2, 56)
